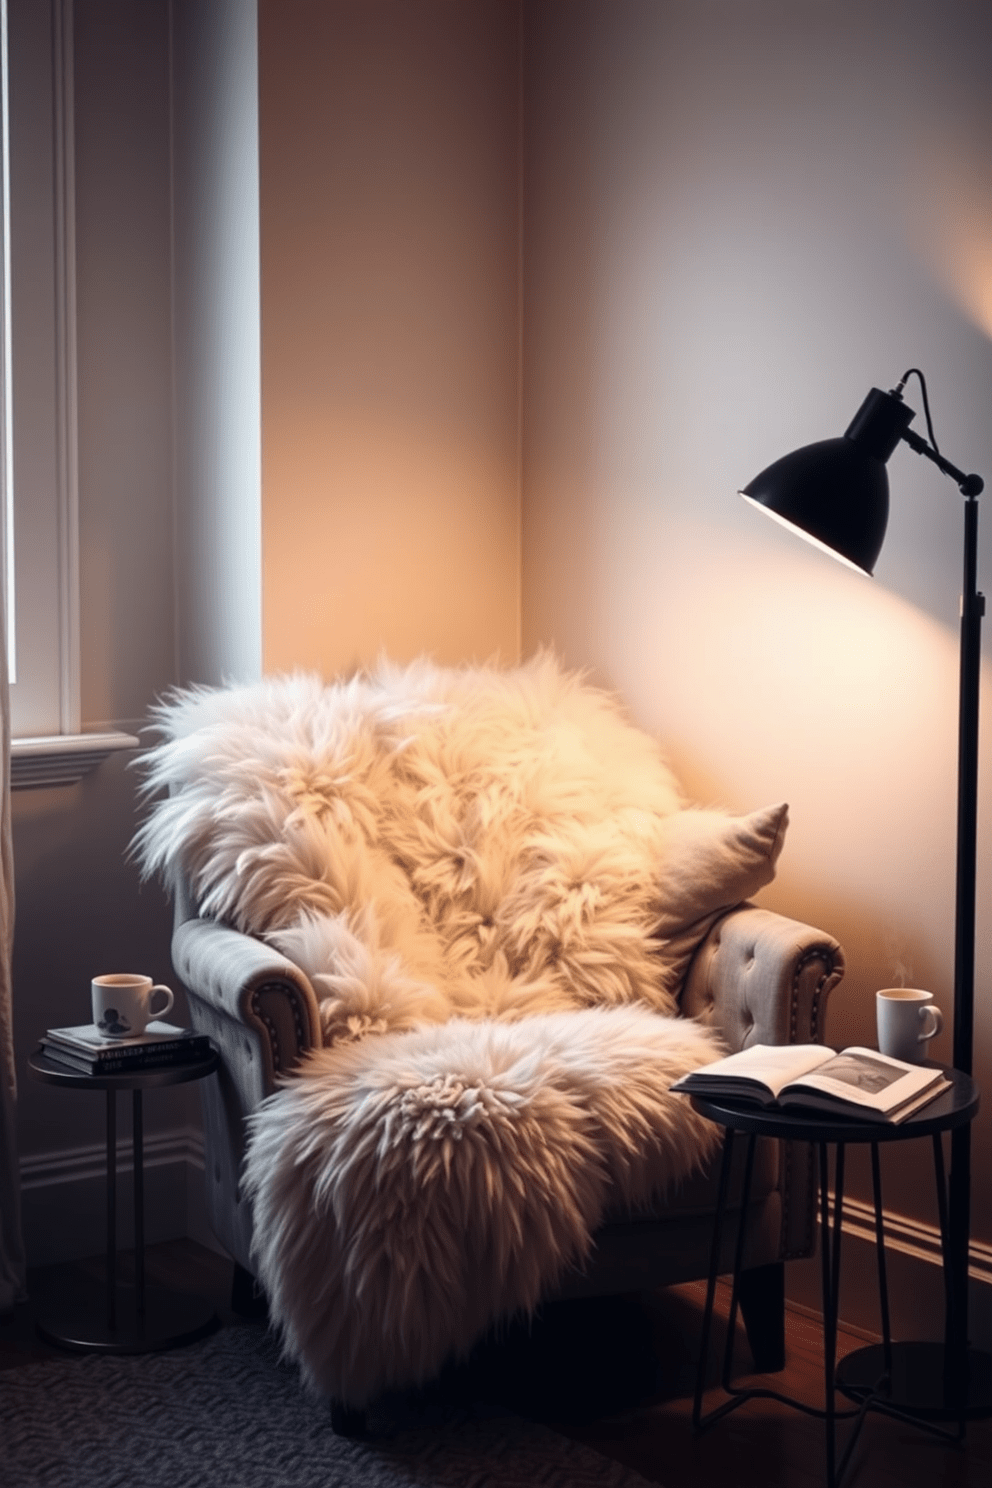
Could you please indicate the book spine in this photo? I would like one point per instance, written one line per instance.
(151, 1059)
(180, 1049)
(156, 1053)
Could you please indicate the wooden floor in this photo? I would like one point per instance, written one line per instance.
(619, 1376)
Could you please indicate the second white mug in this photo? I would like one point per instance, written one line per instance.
(907, 1020)
(122, 1003)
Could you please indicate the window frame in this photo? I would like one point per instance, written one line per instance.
(49, 746)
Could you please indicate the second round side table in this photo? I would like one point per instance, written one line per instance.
(116, 1318)
(953, 1109)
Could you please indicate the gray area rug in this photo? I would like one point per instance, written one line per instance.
(226, 1413)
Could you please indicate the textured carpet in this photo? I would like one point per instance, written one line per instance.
(226, 1413)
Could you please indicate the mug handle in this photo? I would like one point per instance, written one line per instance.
(938, 1022)
(170, 996)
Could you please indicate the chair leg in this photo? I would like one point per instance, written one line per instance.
(762, 1303)
(247, 1298)
(347, 1421)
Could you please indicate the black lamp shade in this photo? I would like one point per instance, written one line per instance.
(833, 493)
(836, 493)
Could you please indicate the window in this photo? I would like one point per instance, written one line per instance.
(39, 193)
(45, 696)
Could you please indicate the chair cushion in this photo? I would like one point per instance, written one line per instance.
(709, 862)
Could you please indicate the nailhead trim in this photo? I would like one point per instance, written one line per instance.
(287, 990)
(829, 972)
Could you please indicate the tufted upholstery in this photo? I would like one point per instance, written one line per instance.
(762, 979)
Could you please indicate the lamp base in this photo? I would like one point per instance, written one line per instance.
(75, 1317)
(916, 1383)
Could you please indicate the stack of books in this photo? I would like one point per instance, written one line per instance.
(87, 1050)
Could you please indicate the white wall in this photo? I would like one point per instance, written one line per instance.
(739, 217)
(389, 240)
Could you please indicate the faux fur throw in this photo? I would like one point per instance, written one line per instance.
(411, 1190)
(493, 874)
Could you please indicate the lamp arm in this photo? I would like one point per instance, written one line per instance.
(968, 485)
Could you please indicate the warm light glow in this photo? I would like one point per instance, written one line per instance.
(806, 536)
(953, 226)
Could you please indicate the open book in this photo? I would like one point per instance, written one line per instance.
(855, 1082)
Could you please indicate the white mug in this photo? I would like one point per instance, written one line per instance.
(907, 1021)
(122, 1003)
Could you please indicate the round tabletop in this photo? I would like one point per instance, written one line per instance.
(146, 1078)
(955, 1107)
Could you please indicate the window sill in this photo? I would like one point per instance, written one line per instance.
(61, 759)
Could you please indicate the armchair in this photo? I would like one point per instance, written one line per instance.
(291, 1014)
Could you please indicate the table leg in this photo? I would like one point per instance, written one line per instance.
(830, 1248)
(940, 1177)
(111, 1210)
(728, 1355)
(704, 1345)
(883, 1285)
(139, 1208)
(956, 1364)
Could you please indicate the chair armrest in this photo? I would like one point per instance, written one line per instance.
(260, 1011)
(760, 978)
(248, 997)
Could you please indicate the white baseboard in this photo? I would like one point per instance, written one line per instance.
(64, 1197)
(915, 1274)
(913, 1238)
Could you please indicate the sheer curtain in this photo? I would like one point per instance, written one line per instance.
(11, 1244)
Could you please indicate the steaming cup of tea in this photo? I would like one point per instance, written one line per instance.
(122, 1003)
(907, 1020)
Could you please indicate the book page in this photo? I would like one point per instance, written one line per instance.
(863, 1071)
(866, 1078)
(771, 1066)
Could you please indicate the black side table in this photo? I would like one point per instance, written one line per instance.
(955, 1108)
(115, 1319)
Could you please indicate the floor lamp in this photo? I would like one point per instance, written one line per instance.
(835, 494)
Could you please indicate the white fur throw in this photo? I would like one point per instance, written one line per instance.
(493, 873)
(406, 1197)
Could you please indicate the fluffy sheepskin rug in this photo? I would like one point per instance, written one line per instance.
(466, 865)
(410, 1190)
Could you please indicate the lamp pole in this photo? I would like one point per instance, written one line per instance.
(955, 1356)
(972, 611)
(959, 1188)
